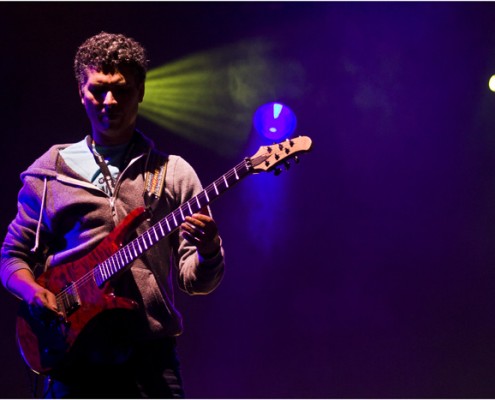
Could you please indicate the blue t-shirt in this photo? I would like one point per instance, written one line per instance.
(80, 158)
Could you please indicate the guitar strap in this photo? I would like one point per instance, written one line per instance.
(154, 179)
(110, 182)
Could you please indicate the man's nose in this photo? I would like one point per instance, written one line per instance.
(109, 98)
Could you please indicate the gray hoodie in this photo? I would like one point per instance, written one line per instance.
(62, 217)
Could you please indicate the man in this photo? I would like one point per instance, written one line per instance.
(74, 195)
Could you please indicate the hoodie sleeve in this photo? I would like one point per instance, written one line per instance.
(197, 275)
(19, 247)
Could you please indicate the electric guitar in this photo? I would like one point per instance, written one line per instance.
(83, 288)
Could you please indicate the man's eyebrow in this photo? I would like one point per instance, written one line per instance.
(101, 84)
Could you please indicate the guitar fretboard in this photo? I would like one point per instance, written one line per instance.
(128, 253)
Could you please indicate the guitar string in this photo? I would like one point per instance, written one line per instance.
(213, 186)
(89, 275)
(246, 163)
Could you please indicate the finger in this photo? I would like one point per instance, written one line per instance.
(46, 299)
(193, 228)
(52, 302)
(204, 218)
(196, 223)
(194, 240)
(197, 220)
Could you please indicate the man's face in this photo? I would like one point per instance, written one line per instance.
(111, 101)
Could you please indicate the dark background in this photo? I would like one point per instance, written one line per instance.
(366, 271)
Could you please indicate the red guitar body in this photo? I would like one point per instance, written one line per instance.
(54, 345)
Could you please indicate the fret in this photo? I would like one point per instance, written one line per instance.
(168, 225)
(157, 238)
(197, 200)
(119, 255)
(108, 269)
(125, 256)
(178, 214)
(161, 229)
(216, 189)
(175, 220)
(185, 211)
(150, 239)
(133, 243)
(226, 183)
(182, 214)
(104, 271)
(100, 274)
(206, 195)
(190, 209)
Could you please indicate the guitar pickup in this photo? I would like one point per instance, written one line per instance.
(70, 300)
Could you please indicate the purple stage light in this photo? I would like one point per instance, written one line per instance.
(275, 121)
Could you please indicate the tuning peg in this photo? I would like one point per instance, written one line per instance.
(287, 165)
(296, 159)
(277, 171)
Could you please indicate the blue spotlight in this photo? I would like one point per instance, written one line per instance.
(274, 121)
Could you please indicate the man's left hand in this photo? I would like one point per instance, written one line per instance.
(201, 231)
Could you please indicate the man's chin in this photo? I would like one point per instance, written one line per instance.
(111, 127)
(114, 134)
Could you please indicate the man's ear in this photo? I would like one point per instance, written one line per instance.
(141, 92)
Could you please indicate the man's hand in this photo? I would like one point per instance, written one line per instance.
(201, 231)
(42, 303)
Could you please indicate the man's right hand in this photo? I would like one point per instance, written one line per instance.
(42, 303)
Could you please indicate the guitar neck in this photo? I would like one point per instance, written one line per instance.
(128, 253)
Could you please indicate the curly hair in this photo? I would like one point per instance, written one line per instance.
(108, 52)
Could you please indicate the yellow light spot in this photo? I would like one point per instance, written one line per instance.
(491, 83)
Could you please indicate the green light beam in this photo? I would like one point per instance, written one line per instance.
(210, 97)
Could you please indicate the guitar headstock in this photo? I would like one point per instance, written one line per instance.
(268, 158)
